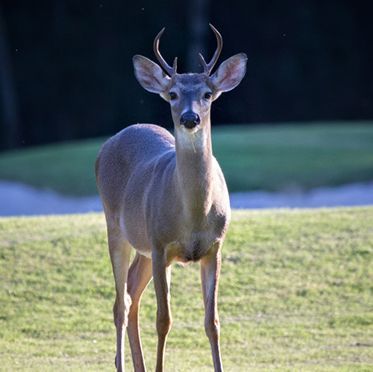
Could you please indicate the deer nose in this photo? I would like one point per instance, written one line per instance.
(189, 119)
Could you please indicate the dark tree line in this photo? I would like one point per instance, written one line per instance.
(66, 69)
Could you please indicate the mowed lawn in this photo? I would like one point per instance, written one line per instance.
(252, 157)
(295, 295)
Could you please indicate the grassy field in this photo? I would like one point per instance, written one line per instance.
(295, 295)
(265, 157)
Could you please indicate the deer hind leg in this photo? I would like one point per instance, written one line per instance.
(140, 274)
(120, 251)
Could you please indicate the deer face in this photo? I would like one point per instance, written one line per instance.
(190, 95)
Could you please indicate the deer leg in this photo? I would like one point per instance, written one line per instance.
(162, 279)
(139, 276)
(120, 250)
(210, 271)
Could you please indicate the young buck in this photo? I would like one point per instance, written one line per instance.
(167, 198)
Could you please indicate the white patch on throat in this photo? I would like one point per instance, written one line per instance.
(191, 139)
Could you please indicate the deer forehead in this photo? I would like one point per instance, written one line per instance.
(189, 83)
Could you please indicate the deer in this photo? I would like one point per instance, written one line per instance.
(166, 197)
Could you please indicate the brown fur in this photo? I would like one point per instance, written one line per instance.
(167, 198)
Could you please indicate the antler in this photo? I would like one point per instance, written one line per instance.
(170, 70)
(207, 67)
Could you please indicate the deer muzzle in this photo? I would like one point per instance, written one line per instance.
(189, 119)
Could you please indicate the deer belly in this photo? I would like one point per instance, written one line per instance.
(143, 252)
(191, 250)
(195, 250)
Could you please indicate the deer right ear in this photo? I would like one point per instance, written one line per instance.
(150, 76)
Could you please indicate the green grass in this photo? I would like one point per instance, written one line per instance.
(67, 168)
(295, 295)
(275, 158)
(259, 157)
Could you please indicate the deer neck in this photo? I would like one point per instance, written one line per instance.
(194, 171)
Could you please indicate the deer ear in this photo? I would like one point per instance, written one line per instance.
(150, 76)
(230, 73)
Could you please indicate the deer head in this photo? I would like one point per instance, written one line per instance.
(190, 95)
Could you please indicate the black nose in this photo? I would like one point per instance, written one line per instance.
(189, 119)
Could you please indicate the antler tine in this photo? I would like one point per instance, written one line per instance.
(170, 70)
(209, 66)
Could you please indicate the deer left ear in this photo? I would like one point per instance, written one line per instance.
(230, 73)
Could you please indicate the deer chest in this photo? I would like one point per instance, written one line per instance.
(193, 245)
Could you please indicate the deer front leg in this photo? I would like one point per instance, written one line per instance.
(120, 251)
(210, 271)
(162, 279)
(139, 276)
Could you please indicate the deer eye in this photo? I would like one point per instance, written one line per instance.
(173, 96)
(207, 95)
